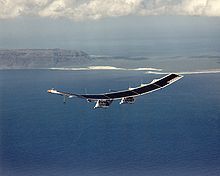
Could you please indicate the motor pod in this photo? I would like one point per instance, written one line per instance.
(103, 103)
(127, 100)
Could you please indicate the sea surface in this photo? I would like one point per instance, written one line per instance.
(171, 132)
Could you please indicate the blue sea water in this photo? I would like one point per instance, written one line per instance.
(175, 131)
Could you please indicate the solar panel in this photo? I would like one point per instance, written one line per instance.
(137, 91)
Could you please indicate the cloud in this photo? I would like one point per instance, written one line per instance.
(96, 9)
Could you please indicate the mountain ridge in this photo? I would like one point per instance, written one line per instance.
(42, 58)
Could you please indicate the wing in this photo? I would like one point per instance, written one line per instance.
(126, 96)
(141, 90)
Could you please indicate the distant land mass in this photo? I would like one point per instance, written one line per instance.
(42, 58)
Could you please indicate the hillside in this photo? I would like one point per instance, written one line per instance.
(42, 58)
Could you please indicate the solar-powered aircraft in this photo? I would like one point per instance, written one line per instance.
(125, 96)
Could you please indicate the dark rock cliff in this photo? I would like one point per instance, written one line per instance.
(42, 58)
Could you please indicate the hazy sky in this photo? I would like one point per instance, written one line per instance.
(80, 23)
(96, 9)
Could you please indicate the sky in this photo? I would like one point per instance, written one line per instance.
(81, 24)
(96, 9)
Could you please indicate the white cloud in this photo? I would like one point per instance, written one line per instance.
(201, 7)
(93, 9)
(96, 9)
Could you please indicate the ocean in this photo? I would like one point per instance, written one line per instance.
(173, 132)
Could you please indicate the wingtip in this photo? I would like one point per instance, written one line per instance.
(177, 75)
(52, 91)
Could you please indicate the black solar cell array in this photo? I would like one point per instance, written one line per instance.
(135, 92)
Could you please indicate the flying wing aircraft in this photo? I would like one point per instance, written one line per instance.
(126, 96)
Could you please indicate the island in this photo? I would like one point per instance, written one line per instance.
(42, 58)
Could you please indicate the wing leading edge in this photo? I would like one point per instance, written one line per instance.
(134, 92)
